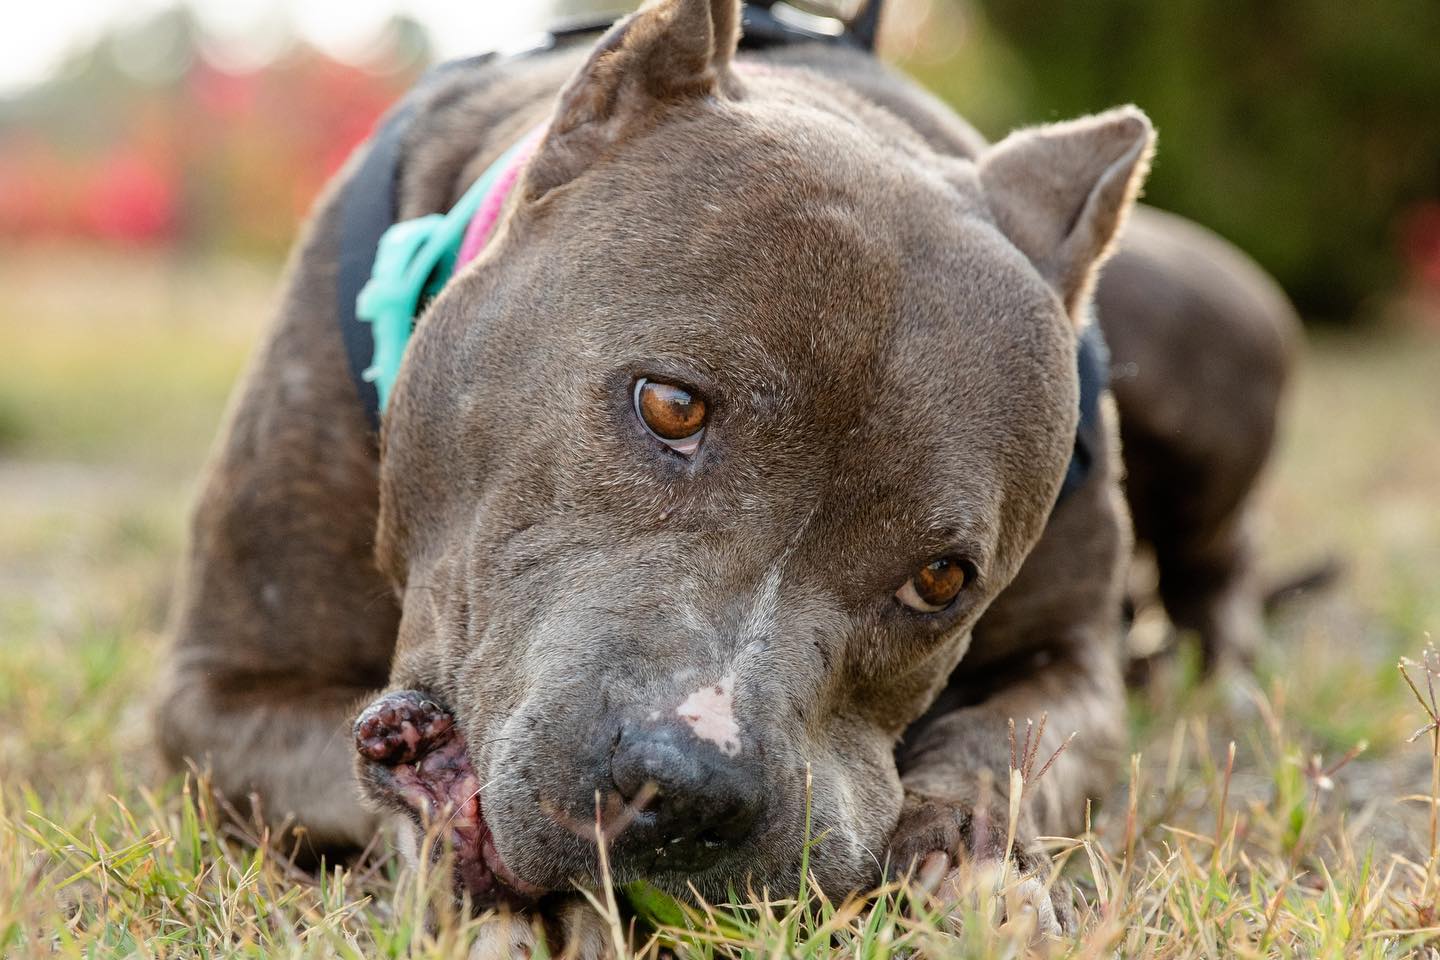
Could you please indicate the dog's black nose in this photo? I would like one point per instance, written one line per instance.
(695, 799)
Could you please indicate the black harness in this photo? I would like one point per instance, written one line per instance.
(369, 202)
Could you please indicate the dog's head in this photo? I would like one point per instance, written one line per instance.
(697, 480)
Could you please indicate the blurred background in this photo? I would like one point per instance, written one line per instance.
(1307, 131)
(156, 159)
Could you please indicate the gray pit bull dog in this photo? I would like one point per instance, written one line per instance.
(733, 460)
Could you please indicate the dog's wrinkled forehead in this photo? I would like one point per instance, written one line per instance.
(825, 274)
(851, 304)
(863, 335)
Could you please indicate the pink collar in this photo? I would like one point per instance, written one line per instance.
(487, 215)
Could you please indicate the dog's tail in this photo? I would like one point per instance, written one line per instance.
(1318, 576)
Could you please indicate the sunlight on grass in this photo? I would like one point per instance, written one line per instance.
(1184, 867)
(1300, 844)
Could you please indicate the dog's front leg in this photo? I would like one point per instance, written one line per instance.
(1048, 648)
(957, 813)
(572, 929)
(282, 624)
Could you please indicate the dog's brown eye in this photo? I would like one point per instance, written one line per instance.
(672, 414)
(934, 586)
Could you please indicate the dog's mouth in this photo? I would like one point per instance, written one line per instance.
(414, 760)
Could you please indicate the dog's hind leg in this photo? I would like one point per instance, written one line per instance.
(1209, 585)
(1202, 343)
(282, 626)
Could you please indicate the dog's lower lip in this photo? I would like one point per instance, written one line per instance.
(479, 869)
(482, 870)
(418, 762)
(503, 873)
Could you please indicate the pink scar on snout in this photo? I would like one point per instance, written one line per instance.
(710, 713)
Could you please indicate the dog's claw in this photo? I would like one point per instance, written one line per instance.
(932, 871)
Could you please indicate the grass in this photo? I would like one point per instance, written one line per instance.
(1297, 844)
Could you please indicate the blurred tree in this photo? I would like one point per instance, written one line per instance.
(144, 140)
(1307, 131)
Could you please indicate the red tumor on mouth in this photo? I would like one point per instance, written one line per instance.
(415, 760)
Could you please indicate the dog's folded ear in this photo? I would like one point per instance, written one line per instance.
(667, 52)
(1061, 192)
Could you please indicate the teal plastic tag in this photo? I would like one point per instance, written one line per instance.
(413, 261)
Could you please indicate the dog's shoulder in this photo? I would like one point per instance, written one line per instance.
(467, 116)
(863, 75)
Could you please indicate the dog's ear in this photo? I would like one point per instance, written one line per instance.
(668, 51)
(1061, 192)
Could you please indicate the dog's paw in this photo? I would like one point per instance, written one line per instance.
(956, 854)
(567, 928)
(1034, 906)
(1025, 905)
(505, 936)
(583, 932)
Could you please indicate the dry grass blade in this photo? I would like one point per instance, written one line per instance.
(1194, 851)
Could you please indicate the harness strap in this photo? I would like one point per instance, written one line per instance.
(368, 206)
(417, 257)
(865, 28)
(1092, 362)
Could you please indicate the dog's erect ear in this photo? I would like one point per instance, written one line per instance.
(668, 51)
(1061, 192)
